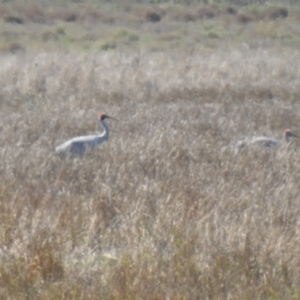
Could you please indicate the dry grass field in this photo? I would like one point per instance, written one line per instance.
(167, 208)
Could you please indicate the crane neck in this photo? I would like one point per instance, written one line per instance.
(105, 128)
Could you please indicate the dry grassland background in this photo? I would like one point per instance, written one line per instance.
(167, 208)
(131, 26)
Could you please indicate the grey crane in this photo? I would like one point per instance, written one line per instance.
(267, 142)
(78, 145)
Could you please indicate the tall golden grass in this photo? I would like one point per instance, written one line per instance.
(167, 208)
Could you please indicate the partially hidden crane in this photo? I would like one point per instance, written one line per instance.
(78, 145)
(266, 142)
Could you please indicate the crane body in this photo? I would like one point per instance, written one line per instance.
(266, 142)
(77, 146)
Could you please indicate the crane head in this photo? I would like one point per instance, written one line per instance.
(103, 116)
(288, 134)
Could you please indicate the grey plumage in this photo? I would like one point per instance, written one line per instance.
(265, 142)
(77, 146)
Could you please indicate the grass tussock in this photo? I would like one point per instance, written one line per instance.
(167, 208)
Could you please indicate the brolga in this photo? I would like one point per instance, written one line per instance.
(268, 143)
(77, 146)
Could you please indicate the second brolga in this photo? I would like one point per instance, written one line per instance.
(266, 142)
(77, 146)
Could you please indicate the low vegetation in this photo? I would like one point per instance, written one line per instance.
(91, 26)
(168, 207)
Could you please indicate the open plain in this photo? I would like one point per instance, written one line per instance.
(168, 207)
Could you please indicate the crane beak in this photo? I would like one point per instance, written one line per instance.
(111, 118)
(294, 135)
